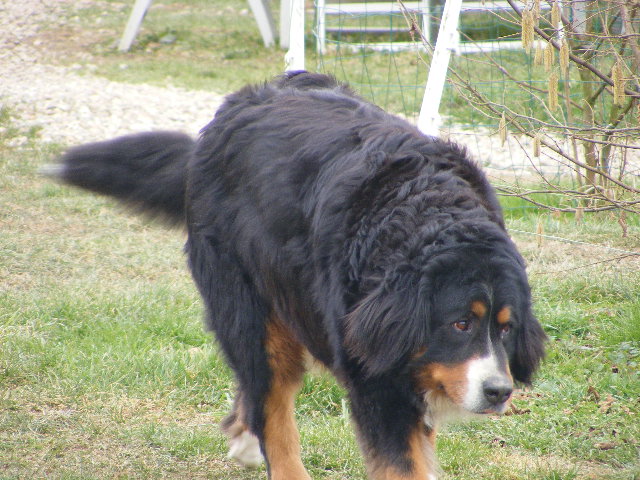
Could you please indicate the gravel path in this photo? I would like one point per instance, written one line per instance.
(72, 108)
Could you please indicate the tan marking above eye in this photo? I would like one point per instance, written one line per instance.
(504, 316)
(479, 309)
(420, 353)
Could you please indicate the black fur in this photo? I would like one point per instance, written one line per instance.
(147, 171)
(363, 235)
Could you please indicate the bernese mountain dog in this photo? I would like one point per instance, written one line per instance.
(320, 224)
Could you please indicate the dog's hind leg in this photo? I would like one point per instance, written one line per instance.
(276, 436)
(268, 361)
(244, 446)
(280, 438)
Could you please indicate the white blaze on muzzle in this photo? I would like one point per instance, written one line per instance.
(488, 386)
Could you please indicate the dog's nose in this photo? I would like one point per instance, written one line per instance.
(497, 390)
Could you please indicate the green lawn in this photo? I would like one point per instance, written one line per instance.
(106, 372)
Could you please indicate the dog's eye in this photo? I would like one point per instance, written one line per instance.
(463, 325)
(505, 329)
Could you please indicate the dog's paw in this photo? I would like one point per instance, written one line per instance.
(245, 449)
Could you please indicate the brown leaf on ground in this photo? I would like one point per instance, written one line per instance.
(605, 445)
(606, 404)
(498, 442)
(593, 393)
(514, 410)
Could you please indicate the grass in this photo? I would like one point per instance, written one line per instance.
(106, 372)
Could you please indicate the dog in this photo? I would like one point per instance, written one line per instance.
(319, 224)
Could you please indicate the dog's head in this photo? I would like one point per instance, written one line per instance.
(462, 326)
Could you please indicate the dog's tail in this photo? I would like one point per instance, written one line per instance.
(144, 171)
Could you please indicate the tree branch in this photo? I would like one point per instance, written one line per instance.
(573, 57)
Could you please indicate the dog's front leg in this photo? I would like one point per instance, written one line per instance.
(396, 443)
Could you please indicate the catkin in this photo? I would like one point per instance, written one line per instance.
(527, 30)
(502, 129)
(555, 15)
(618, 83)
(553, 91)
(538, 57)
(540, 233)
(536, 12)
(537, 144)
(564, 56)
(549, 56)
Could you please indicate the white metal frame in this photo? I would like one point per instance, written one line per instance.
(294, 59)
(133, 25)
(324, 9)
(421, 7)
(261, 11)
(494, 6)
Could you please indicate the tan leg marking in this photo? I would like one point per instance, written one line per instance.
(281, 438)
(420, 454)
(431, 438)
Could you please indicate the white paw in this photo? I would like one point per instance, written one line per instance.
(54, 170)
(245, 448)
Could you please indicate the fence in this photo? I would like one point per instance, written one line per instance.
(555, 121)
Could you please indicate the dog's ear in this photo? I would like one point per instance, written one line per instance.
(529, 349)
(384, 329)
